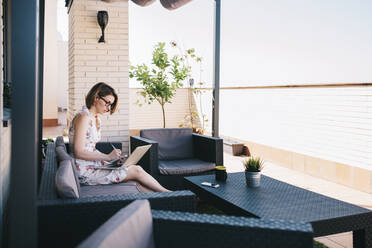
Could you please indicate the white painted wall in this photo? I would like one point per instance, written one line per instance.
(5, 163)
(62, 73)
(2, 150)
(50, 100)
(150, 115)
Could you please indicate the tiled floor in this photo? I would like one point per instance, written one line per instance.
(233, 164)
(52, 132)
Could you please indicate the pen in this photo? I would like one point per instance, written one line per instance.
(113, 146)
(117, 148)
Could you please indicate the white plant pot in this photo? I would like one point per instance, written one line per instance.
(253, 179)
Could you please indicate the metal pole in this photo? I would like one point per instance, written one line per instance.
(41, 83)
(25, 123)
(216, 86)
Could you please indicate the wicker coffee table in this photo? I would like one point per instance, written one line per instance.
(281, 201)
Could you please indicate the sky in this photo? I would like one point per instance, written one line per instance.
(263, 42)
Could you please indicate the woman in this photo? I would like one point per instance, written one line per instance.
(85, 132)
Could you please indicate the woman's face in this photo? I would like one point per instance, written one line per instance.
(104, 103)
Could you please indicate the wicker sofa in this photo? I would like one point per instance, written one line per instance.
(137, 226)
(176, 153)
(65, 222)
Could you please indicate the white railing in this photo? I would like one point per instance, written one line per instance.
(329, 122)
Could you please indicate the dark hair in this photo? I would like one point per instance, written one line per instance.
(101, 90)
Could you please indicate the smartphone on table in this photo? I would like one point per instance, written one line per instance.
(213, 185)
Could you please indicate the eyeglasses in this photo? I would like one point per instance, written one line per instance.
(107, 103)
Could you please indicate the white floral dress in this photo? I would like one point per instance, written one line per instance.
(87, 173)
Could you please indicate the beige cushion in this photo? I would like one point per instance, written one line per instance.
(65, 181)
(131, 227)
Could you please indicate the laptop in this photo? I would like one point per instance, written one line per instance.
(133, 159)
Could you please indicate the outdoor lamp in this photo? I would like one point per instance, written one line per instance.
(102, 18)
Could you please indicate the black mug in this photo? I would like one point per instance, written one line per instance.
(221, 174)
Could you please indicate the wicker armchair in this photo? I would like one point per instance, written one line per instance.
(64, 217)
(176, 153)
(136, 226)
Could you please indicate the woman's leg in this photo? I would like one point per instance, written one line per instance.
(143, 189)
(136, 173)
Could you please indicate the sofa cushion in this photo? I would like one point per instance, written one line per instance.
(65, 181)
(173, 143)
(130, 227)
(109, 189)
(184, 167)
(76, 174)
(62, 155)
(60, 141)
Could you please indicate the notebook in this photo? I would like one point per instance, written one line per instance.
(133, 159)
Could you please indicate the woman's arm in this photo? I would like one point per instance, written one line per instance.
(80, 125)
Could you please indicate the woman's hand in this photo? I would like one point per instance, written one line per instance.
(115, 154)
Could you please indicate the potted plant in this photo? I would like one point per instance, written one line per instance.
(253, 167)
(44, 145)
(7, 95)
(195, 119)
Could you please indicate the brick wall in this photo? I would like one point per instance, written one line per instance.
(91, 62)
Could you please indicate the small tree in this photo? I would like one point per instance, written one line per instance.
(160, 83)
(197, 91)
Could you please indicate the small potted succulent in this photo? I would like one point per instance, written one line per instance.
(253, 167)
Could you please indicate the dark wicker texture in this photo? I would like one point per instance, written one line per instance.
(177, 229)
(206, 148)
(65, 222)
(281, 201)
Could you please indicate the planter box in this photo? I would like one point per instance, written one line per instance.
(232, 147)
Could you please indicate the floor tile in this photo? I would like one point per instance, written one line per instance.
(329, 243)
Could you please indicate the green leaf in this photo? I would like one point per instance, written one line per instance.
(166, 75)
